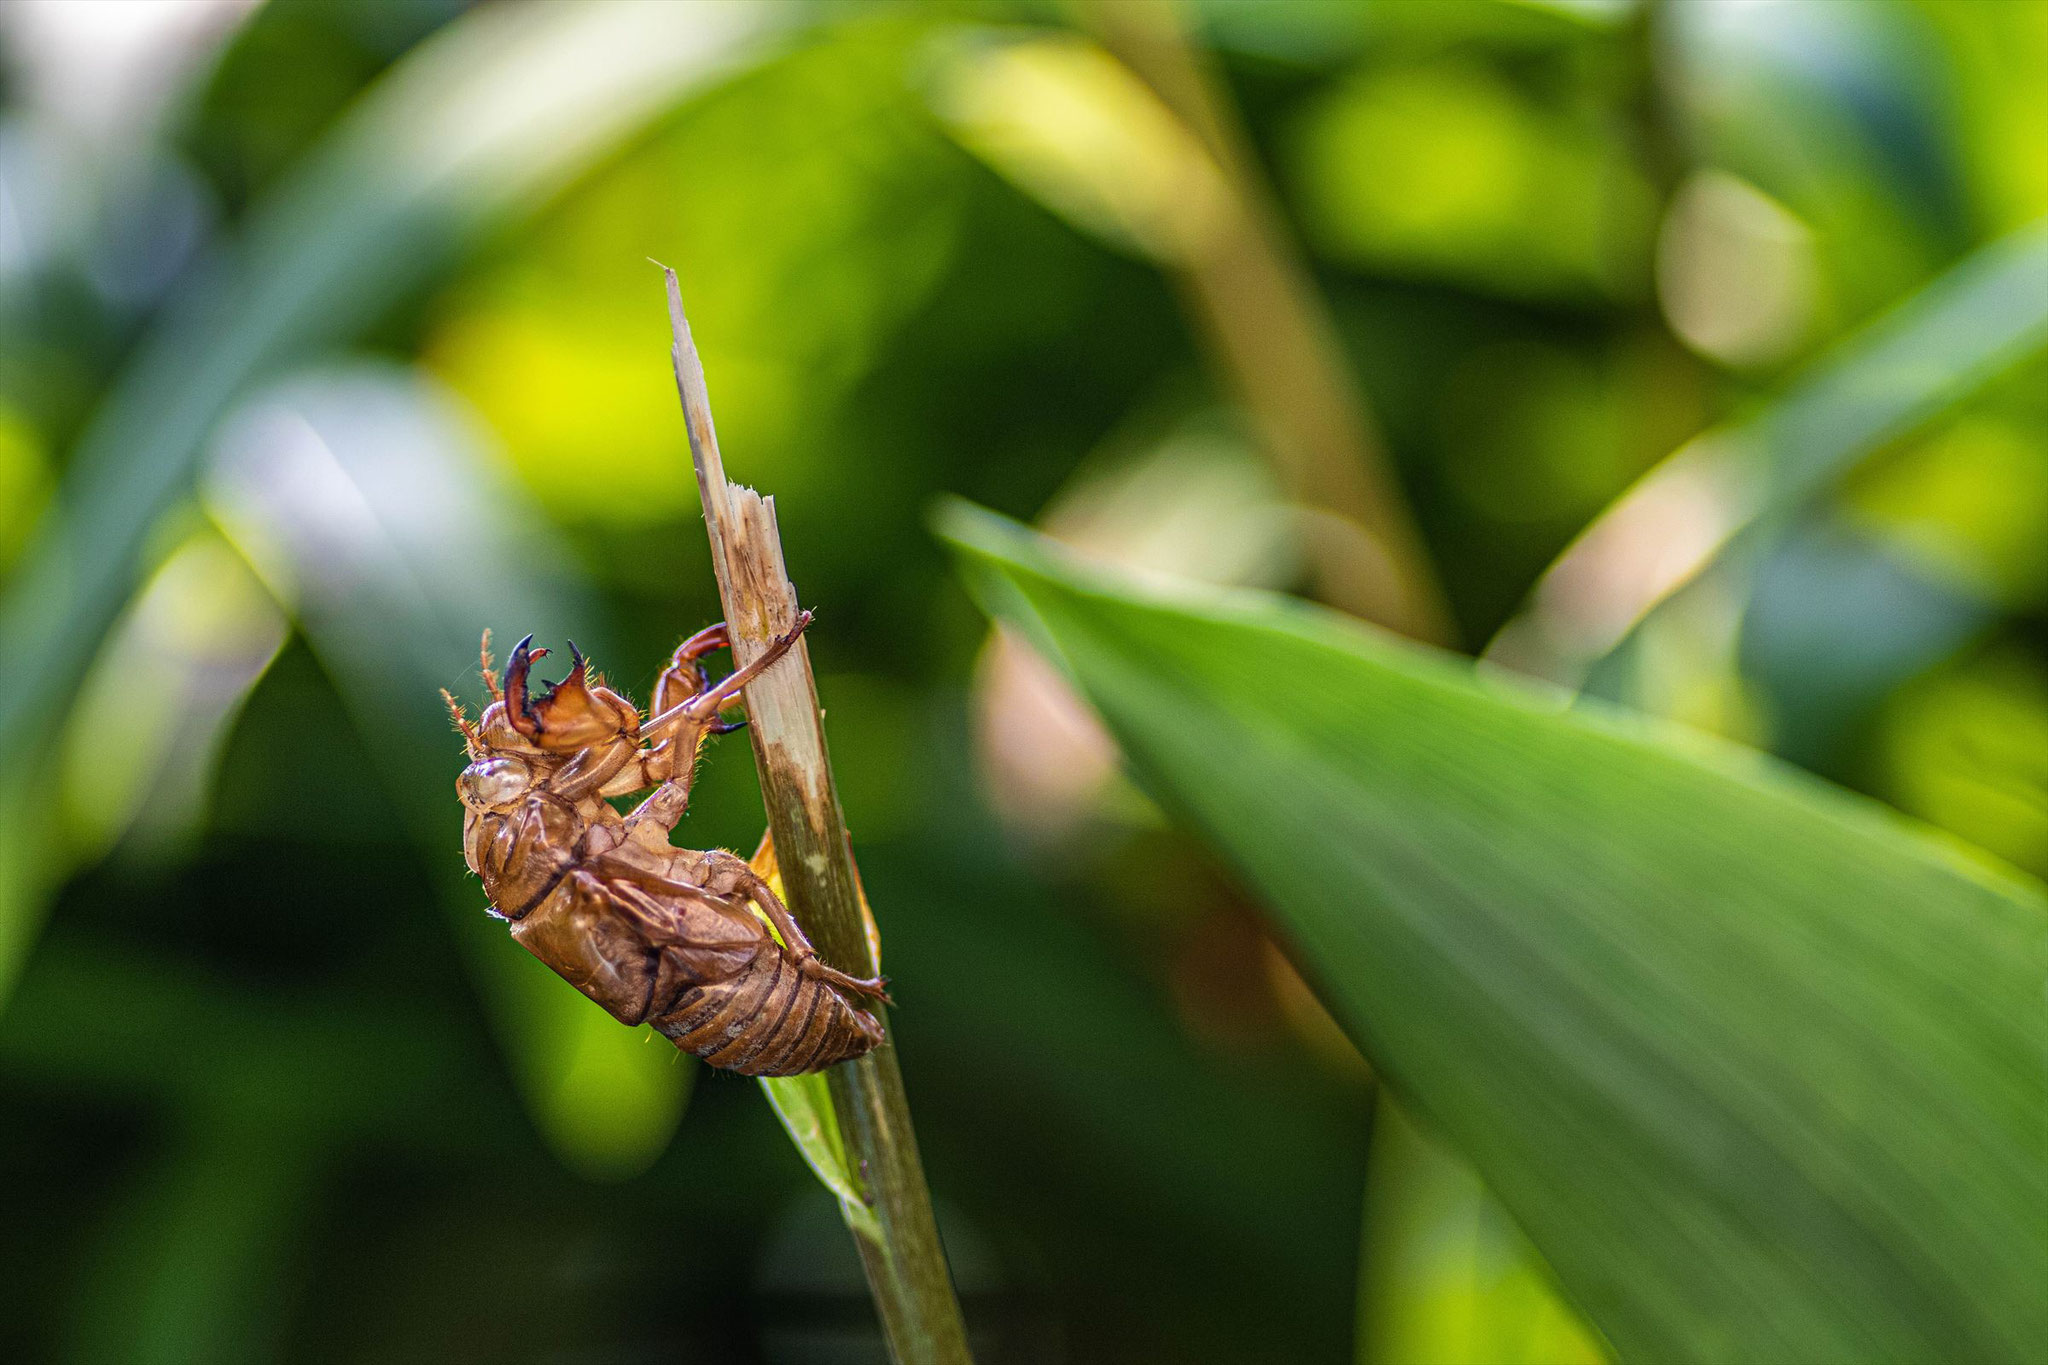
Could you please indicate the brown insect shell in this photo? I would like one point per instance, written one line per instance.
(528, 839)
(651, 932)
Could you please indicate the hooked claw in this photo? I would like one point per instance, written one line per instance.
(568, 715)
(518, 702)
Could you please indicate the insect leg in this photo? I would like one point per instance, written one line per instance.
(667, 803)
(705, 641)
(679, 729)
(745, 880)
(868, 987)
(705, 705)
(597, 767)
(798, 943)
(682, 679)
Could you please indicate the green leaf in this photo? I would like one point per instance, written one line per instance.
(1755, 1063)
(804, 1104)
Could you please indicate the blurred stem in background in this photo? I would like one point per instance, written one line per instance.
(1210, 220)
(892, 1221)
(1272, 335)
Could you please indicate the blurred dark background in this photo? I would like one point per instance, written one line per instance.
(328, 337)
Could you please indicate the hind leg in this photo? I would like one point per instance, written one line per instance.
(730, 872)
(725, 875)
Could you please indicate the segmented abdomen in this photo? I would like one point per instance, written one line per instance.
(769, 1020)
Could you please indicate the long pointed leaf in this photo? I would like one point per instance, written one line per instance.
(1755, 1063)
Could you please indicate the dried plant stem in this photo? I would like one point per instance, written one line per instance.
(906, 1268)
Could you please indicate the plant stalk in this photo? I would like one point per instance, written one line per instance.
(905, 1264)
(1270, 333)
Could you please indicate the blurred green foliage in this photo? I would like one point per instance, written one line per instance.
(1447, 170)
(327, 338)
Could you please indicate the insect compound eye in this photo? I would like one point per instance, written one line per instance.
(495, 781)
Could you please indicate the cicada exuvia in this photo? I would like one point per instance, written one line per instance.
(659, 935)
